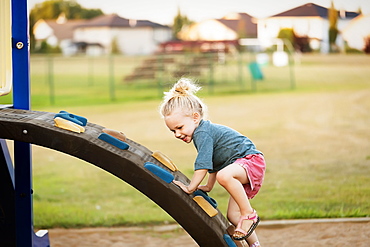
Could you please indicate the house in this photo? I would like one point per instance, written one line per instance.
(356, 33)
(230, 27)
(99, 35)
(308, 20)
(56, 33)
(131, 37)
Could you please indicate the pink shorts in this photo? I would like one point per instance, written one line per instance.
(255, 166)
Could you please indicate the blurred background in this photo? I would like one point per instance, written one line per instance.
(110, 50)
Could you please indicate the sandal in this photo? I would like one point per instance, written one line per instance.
(254, 218)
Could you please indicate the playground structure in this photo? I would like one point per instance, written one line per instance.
(280, 57)
(149, 172)
(130, 164)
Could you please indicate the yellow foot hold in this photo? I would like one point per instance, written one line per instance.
(68, 125)
(117, 134)
(165, 160)
(206, 206)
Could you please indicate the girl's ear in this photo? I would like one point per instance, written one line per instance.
(196, 117)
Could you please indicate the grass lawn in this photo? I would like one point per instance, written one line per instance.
(316, 142)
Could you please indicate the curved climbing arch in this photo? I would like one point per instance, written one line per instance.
(38, 128)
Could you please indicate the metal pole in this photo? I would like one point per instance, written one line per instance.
(21, 100)
(20, 55)
(292, 76)
(90, 70)
(111, 79)
(291, 63)
(211, 75)
(51, 79)
(240, 70)
(160, 64)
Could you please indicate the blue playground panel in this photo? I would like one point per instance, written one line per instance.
(114, 141)
(229, 241)
(256, 71)
(159, 172)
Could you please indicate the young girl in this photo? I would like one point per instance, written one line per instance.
(230, 158)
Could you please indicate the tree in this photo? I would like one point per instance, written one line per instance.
(242, 29)
(115, 49)
(367, 45)
(287, 34)
(51, 9)
(179, 22)
(300, 43)
(333, 30)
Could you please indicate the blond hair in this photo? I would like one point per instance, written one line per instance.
(182, 96)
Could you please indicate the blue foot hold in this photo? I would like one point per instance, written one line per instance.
(114, 141)
(229, 241)
(205, 196)
(41, 239)
(71, 117)
(159, 172)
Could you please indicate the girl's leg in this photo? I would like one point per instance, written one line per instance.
(252, 240)
(233, 215)
(233, 212)
(232, 179)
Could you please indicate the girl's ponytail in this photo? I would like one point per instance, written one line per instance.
(182, 96)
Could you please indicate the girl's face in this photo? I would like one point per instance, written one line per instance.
(182, 125)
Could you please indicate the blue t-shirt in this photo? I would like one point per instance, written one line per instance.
(219, 146)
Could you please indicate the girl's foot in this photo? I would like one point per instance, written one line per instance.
(248, 222)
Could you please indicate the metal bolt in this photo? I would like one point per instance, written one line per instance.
(19, 45)
(25, 132)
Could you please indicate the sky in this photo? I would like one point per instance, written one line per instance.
(164, 11)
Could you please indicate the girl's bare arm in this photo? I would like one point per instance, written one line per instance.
(211, 182)
(195, 182)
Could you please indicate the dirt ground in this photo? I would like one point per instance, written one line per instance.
(292, 234)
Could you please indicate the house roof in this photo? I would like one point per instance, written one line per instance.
(311, 9)
(243, 21)
(114, 20)
(64, 30)
(232, 24)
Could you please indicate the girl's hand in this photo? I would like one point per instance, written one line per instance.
(197, 179)
(205, 188)
(182, 186)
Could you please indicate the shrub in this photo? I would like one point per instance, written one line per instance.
(300, 43)
(367, 45)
